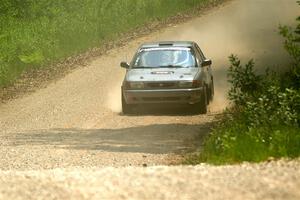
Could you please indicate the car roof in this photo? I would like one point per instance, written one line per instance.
(167, 44)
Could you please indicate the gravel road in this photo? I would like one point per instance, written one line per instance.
(274, 180)
(69, 140)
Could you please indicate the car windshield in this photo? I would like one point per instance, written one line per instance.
(164, 57)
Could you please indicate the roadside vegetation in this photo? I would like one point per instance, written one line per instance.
(36, 33)
(264, 120)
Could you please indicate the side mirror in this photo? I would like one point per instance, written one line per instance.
(124, 65)
(206, 62)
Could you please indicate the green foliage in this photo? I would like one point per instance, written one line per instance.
(274, 106)
(292, 45)
(264, 100)
(297, 31)
(263, 123)
(244, 82)
(234, 142)
(39, 32)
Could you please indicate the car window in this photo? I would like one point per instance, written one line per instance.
(159, 57)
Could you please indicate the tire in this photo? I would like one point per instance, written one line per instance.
(201, 107)
(126, 108)
(208, 95)
(211, 91)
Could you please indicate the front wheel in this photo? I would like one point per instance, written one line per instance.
(201, 107)
(126, 108)
(211, 91)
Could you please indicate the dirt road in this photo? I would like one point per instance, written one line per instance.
(76, 121)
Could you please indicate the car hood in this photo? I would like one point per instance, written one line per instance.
(162, 74)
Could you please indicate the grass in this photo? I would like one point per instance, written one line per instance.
(36, 33)
(233, 142)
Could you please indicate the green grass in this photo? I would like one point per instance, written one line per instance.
(232, 142)
(35, 33)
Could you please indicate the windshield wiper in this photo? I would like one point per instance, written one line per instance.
(156, 67)
(142, 67)
(171, 66)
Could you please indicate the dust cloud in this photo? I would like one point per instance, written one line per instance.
(114, 99)
(115, 77)
(245, 28)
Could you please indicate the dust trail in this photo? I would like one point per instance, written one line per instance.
(220, 101)
(115, 79)
(246, 28)
(114, 99)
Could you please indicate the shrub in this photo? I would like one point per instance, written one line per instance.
(245, 84)
(265, 118)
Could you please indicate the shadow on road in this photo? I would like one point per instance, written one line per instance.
(163, 110)
(154, 139)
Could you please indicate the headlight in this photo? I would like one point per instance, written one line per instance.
(136, 85)
(185, 84)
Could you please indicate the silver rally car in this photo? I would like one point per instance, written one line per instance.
(168, 72)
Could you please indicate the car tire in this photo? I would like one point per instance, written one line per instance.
(126, 108)
(208, 95)
(201, 107)
(211, 91)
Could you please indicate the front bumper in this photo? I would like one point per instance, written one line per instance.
(181, 96)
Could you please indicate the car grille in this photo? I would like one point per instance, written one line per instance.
(161, 85)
